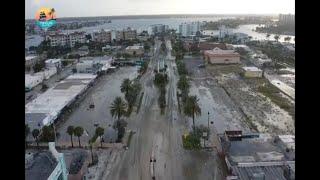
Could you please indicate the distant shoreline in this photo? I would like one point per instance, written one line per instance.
(159, 16)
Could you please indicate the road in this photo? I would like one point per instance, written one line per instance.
(163, 135)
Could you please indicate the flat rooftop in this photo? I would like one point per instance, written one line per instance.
(256, 148)
(39, 166)
(251, 68)
(30, 57)
(46, 107)
(268, 172)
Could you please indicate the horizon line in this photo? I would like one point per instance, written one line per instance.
(228, 14)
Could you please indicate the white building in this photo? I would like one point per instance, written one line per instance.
(157, 28)
(134, 50)
(53, 63)
(286, 18)
(94, 64)
(252, 72)
(187, 29)
(59, 39)
(224, 31)
(47, 107)
(31, 60)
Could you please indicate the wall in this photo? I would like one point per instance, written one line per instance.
(222, 60)
(253, 74)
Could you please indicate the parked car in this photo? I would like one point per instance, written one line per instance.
(201, 66)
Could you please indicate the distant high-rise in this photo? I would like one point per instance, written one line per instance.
(187, 29)
(157, 28)
(286, 18)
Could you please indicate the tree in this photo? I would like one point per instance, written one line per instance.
(120, 126)
(70, 131)
(26, 132)
(38, 66)
(183, 85)
(146, 47)
(78, 131)
(100, 133)
(125, 86)
(288, 38)
(268, 36)
(277, 37)
(192, 108)
(47, 134)
(118, 108)
(35, 134)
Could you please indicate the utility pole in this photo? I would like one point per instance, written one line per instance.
(208, 126)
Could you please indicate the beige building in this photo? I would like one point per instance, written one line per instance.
(129, 34)
(135, 50)
(102, 36)
(66, 39)
(252, 72)
(219, 56)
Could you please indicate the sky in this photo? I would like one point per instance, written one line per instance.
(83, 8)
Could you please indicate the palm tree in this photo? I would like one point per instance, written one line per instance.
(192, 108)
(118, 108)
(288, 38)
(27, 132)
(268, 36)
(70, 131)
(100, 133)
(78, 131)
(183, 85)
(125, 86)
(52, 11)
(35, 134)
(277, 37)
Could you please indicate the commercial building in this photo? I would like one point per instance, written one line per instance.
(31, 60)
(47, 107)
(50, 63)
(252, 72)
(187, 29)
(94, 64)
(210, 45)
(134, 50)
(46, 165)
(102, 36)
(286, 19)
(70, 39)
(257, 156)
(219, 56)
(32, 80)
(157, 28)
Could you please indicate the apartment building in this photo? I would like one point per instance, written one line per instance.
(286, 18)
(102, 36)
(71, 39)
(157, 28)
(188, 29)
(129, 34)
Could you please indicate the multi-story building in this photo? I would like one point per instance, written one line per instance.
(286, 18)
(125, 34)
(129, 34)
(76, 37)
(102, 36)
(187, 29)
(57, 39)
(157, 28)
(135, 50)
